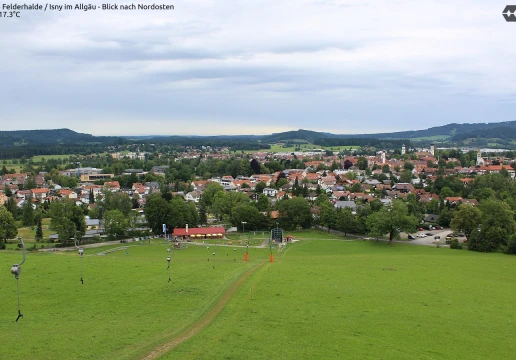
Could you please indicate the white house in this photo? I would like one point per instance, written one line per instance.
(270, 192)
(194, 196)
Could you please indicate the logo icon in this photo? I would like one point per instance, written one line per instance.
(509, 13)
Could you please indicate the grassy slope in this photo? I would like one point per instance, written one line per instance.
(124, 308)
(367, 300)
(29, 234)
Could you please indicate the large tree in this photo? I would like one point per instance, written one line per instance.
(11, 206)
(327, 215)
(28, 214)
(224, 202)
(496, 228)
(157, 212)
(116, 201)
(7, 191)
(67, 219)
(8, 228)
(182, 213)
(406, 176)
(345, 221)
(263, 203)
(295, 212)
(39, 229)
(115, 223)
(134, 222)
(259, 187)
(254, 219)
(467, 219)
(391, 220)
(362, 163)
(30, 183)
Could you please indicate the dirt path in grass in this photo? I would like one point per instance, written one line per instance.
(202, 322)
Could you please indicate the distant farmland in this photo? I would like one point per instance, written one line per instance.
(303, 147)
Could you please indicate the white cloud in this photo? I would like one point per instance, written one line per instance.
(331, 65)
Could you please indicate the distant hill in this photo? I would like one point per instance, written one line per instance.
(502, 132)
(307, 135)
(446, 131)
(48, 137)
(453, 132)
(498, 133)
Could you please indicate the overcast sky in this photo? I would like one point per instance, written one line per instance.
(258, 67)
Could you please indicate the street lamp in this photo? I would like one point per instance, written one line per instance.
(101, 212)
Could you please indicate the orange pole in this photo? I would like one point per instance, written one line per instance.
(271, 258)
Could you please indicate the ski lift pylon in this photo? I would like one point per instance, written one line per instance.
(81, 253)
(16, 271)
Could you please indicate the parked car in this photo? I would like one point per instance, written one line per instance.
(123, 241)
(461, 234)
(429, 234)
(449, 239)
(411, 237)
(421, 235)
(437, 237)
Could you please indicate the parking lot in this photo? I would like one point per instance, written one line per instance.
(430, 239)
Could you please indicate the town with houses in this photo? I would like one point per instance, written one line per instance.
(343, 180)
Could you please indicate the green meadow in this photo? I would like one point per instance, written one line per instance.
(15, 168)
(432, 138)
(304, 147)
(38, 158)
(322, 298)
(126, 306)
(28, 233)
(367, 300)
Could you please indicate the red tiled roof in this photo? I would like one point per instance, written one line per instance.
(39, 191)
(312, 176)
(114, 184)
(453, 198)
(494, 167)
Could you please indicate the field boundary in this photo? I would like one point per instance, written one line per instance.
(204, 321)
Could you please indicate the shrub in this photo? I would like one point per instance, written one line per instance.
(511, 247)
(455, 244)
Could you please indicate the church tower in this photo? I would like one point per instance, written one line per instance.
(432, 149)
(403, 149)
(480, 160)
